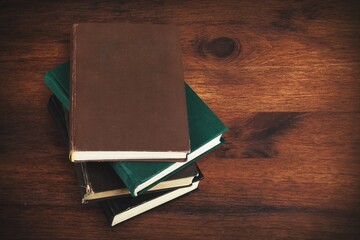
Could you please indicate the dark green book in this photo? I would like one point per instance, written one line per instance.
(205, 129)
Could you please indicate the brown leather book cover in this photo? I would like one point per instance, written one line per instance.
(98, 181)
(127, 93)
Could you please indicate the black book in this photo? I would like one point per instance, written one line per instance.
(121, 209)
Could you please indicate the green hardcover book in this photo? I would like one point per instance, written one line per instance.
(205, 129)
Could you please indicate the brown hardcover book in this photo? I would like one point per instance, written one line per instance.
(98, 181)
(127, 93)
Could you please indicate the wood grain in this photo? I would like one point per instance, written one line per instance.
(283, 75)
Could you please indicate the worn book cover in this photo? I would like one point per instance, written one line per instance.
(127, 93)
(98, 181)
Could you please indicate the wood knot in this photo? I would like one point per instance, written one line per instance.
(222, 48)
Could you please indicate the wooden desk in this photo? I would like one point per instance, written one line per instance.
(283, 76)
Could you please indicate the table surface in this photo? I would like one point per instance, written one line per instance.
(282, 75)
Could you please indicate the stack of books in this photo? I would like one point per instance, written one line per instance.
(133, 127)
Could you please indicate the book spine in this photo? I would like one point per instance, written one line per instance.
(84, 182)
(51, 83)
(73, 91)
(109, 211)
(53, 108)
